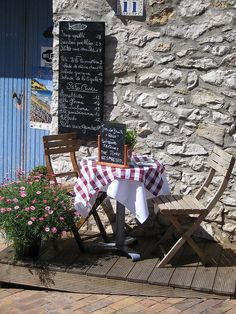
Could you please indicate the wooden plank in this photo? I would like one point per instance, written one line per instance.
(225, 281)
(223, 154)
(222, 170)
(61, 150)
(52, 249)
(121, 268)
(71, 135)
(227, 257)
(63, 281)
(81, 264)
(102, 266)
(66, 256)
(61, 142)
(161, 276)
(7, 255)
(172, 204)
(182, 277)
(193, 202)
(142, 270)
(204, 279)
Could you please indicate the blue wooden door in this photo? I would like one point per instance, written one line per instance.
(22, 34)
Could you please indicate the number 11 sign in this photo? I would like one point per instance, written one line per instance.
(130, 7)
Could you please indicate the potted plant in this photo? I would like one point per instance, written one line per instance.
(32, 209)
(130, 141)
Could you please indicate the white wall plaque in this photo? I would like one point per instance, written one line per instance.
(130, 7)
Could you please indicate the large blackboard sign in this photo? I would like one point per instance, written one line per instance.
(81, 78)
(111, 145)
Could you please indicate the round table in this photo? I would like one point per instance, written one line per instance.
(131, 187)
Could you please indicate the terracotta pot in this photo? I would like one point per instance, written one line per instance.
(129, 153)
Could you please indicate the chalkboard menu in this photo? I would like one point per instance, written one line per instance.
(111, 144)
(81, 78)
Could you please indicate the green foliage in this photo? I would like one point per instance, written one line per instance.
(34, 208)
(130, 137)
(39, 170)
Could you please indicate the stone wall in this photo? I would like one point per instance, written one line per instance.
(171, 76)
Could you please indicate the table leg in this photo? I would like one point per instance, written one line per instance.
(122, 242)
(120, 224)
(120, 246)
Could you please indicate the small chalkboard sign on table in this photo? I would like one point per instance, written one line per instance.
(112, 150)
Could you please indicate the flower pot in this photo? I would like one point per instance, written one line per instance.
(129, 153)
(28, 250)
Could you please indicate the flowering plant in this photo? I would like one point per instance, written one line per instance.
(33, 208)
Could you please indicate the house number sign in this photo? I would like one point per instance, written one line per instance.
(130, 7)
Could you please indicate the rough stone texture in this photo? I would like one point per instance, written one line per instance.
(212, 132)
(171, 76)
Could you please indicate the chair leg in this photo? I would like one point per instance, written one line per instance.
(77, 238)
(100, 225)
(166, 235)
(187, 237)
(97, 219)
(172, 252)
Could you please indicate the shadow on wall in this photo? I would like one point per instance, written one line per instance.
(109, 95)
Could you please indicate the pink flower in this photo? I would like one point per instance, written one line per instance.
(9, 209)
(33, 202)
(47, 208)
(2, 198)
(55, 199)
(38, 192)
(46, 215)
(47, 229)
(63, 234)
(41, 219)
(8, 200)
(22, 188)
(17, 216)
(54, 230)
(32, 207)
(33, 218)
(29, 222)
(15, 200)
(16, 207)
(27, 209)
(23, 194)
(45, 201)
(61, 218)
(50, 212)
(3, 210)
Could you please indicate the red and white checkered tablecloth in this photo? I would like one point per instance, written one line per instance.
(94, 177)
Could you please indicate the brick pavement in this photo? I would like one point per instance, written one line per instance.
(14, 301)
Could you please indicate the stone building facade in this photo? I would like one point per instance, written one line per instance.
(171, 75)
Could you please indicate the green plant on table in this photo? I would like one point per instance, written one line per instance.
(130, 138)
(34, 208)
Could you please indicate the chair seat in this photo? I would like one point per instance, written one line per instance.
(178, 205)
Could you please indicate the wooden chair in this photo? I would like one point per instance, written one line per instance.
(176, 207)
(61, 144)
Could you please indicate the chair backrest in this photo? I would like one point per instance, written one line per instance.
(221, 164)
(60, 144)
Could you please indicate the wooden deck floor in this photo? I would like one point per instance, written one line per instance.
(61, 266)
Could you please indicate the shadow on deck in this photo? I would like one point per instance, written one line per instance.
(62, 266)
